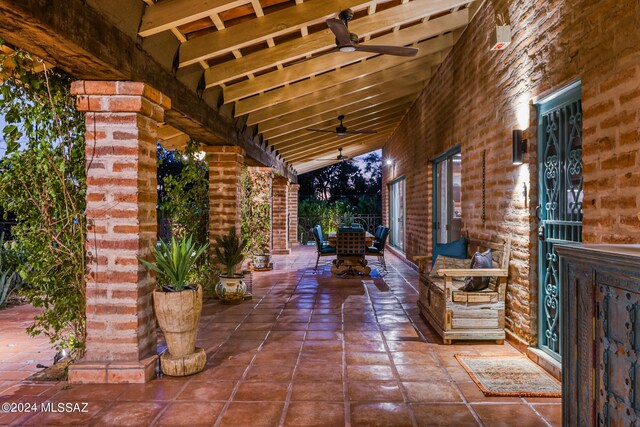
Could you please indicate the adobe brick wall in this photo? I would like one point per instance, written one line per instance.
(279, 215)
(122, 120)
(225, 170)
(293, 214)
(473, 100)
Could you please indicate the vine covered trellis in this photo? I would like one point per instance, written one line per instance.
(256, 210)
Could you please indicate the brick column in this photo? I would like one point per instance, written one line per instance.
(293, 214)
(279, 217)
(122, 120)
(225, 170)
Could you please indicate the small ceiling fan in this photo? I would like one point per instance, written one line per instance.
(343, 131)
(340, 157)
(348, 42)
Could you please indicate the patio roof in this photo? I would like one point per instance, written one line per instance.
(254, 73)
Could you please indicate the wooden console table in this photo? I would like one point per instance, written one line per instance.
(600, 334)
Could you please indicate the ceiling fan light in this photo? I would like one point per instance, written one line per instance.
(347, 48)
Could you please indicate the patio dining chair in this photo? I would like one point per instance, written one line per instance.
(323, 249)
(350, 248)
(378, 245)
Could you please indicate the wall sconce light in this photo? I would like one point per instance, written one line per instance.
(519, 147)
(389, 162)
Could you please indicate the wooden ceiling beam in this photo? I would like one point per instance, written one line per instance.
(352, 152)
(332, 147)
(349, 92)
(169, 14)
(303, 136)
(395, 95)
(177, 142)
(263, 28)
(323, 40)
(382, 121)
(334, 60)
(336, 77)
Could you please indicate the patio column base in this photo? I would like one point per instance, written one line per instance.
(113, 371)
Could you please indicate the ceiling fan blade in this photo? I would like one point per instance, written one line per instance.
(340, 31)
(321, 130)
(388, 50)
(362, 132)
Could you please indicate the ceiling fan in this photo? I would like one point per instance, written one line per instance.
(342, 130)
(348, 42)
(340, 157)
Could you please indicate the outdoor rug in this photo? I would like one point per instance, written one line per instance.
(509, 376)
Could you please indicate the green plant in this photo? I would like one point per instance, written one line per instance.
(229, 251)
(256, 211)
(43, 183)
(174, 263)
(10, 261)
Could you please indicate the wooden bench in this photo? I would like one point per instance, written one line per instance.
(459, 315)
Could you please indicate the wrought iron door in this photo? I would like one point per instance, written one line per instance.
(560, 203)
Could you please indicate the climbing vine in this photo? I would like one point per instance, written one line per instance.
(43, 183)
(256, 210)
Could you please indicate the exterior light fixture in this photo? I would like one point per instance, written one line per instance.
(519, 147)
(389, 162)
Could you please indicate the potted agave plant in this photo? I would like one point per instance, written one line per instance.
(178, 305)
(229, 253)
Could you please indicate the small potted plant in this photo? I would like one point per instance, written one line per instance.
(229, 254)
(178, 305)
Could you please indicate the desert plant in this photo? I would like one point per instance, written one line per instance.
(174, 263)
(9, 282)
(10, 262)
(229, 251)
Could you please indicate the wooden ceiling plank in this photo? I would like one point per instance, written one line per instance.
(321, 64)
(312, 142)
(169, 14)
(260, 29)
(332, 147)
(313, 139)
(167, 132)
(371, 85)
(176, 143)
(323, 40)
(308, 166)
(394, 96)
(368, 119)
(333, 78)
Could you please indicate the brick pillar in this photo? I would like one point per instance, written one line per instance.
(122, 120)
(225, 169)
(279, 216)
(293, 214)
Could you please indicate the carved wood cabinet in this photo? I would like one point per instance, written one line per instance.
(600, 287)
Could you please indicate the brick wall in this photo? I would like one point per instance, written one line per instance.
(225, 170)
(122, 120)
(475, 100)
(293, 214)
(279, 215)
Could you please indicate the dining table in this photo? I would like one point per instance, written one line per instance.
(332, 239)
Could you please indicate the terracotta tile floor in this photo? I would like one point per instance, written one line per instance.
(308, 350)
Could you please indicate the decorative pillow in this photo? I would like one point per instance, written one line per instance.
(455, 249)
(479, 260)
(448, 262)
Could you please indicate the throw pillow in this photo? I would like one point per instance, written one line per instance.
(479, 260)
(455, 249)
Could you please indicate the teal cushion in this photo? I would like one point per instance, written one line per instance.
(373, 250)
(455, 249)
(328, 250)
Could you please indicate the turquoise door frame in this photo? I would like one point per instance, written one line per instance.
(560, 203)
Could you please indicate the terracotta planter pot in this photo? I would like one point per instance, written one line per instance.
(231, 289)
(178, 314)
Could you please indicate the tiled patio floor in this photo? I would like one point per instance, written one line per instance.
(307, 350)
